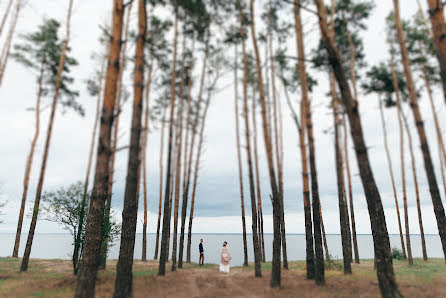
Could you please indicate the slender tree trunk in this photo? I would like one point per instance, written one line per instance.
(436, 15)
(276, 202)
(317, 215)
(255, 239)
(7, 46)
(161, 185)
(346, 245)
(90, 258)
(257, 173)
(166, 217)
(32, 228)
(275, 136)
(386, 276)
(5, 16)
(350, 191)
(389, 161)
(124, 283)
(433, 186)
(29, 162)
(144, 157)
(239, 159)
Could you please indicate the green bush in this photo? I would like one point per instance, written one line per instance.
(332, 263)
(397, 254)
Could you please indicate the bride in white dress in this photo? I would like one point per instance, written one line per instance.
(225, 258)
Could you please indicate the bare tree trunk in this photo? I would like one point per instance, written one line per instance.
(7, 46)
(32, 228)
(239, 159)
(124, 275)
(93, 237)
(276, 202)
(436, 15)
(5, 16)
(166, 217)
(161, 185)
(346, 245)
(29, 162)
(191, 152)
(317, 214)
(433, 186)
(257, 173)
(255, 239)
(386, 276)
(350, 191)
(389, 161)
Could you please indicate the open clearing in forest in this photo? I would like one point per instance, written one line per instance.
(53, 278)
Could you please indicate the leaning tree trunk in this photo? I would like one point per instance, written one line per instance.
(350, 192)
(433, 186)
(95, 220)
(7, 46)
(32, 228)
(386, 276)
(317, 216)
(255, 238)
(166, 218)
(436, 15)
(276, 202)
(346, 245)
(29, 162)
(5, 16)
(239, 159)
(124, 283)
(161, 185)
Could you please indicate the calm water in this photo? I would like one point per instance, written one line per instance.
(58, 246)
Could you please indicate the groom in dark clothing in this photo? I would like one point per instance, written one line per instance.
(200, 247)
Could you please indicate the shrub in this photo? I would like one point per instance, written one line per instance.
(397, 254)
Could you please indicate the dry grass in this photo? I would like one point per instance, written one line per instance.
(53, 278)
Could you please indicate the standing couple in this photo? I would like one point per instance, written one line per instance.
(225, 257)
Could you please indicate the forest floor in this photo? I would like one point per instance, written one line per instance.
(54, 278)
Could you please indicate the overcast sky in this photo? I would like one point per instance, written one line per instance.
(218, 201)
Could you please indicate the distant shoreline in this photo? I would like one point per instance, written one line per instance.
(291, 234)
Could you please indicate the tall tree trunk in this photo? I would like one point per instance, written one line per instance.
(239, 159)
(105, 231)
(350, 191)
(7, 46)
(191, 152)
(144, 157)
(276, 137)
(317, 215)
(343, 215)
(389, 161)
(257, 173)
(123, 283)
(255, 239)
(161, 184)
(5, 16)
(78, 241)
(386, 276)
(32, 228)
(166, 217)
(276, 202)
(95, 220)
(433, 186)
(436, 15)
(29, 162)
(187, 161)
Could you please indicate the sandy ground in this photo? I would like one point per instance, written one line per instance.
(53, 278)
